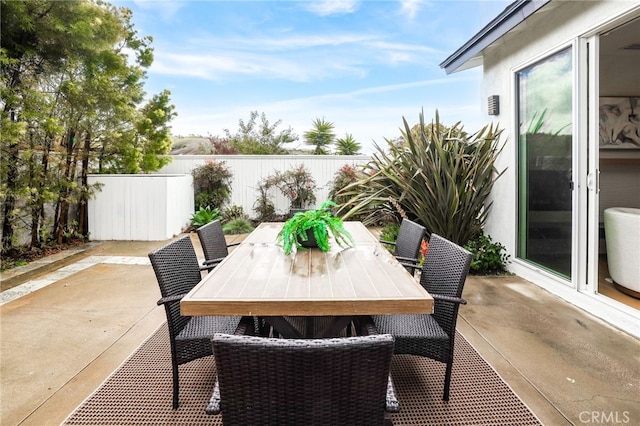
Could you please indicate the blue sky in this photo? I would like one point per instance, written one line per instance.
(362, 65)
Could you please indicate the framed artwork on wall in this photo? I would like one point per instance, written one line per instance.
(620, 122)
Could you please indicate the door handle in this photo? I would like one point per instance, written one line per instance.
(593, 181)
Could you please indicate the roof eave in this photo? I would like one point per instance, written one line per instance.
(470, 54)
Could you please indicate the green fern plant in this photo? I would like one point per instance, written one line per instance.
(319, 223)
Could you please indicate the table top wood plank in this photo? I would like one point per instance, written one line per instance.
(257, 278)
(275, 286)
(320, 277)
(265, 233)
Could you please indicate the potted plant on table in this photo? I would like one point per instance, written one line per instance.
(311, 229)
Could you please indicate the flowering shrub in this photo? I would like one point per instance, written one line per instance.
(347, 175)
(211, 184)
(296, 184)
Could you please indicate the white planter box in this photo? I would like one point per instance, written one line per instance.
(140, 207)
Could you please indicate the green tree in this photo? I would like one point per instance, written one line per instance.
(70, 97)
(143, 147)
(260, 138)
(347, 145)
(321, 136)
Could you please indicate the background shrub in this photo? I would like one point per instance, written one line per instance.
(438, 175)
(263, 206)
(297, 185)
(203, 216)
(212, 184)
(344, 177)
(236, 226)
(489, 258)
(233, 212)
(389, 233)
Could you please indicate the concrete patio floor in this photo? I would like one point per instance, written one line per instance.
(60, 342)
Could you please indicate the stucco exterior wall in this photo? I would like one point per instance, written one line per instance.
(553, 28)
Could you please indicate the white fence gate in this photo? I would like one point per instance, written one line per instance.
(140, 207)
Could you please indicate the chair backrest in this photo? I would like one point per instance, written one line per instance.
(444, 272)
(409, 239)
(177, 272)
(211, 237)
(303, 381)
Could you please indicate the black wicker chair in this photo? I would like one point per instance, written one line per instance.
(214, 245)
(443, 275)
(303, 381)
(177, 272)
(407, 245)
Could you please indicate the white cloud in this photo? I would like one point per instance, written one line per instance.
(332, 7)
(225, 65)
(166, 10)
(283, 43)
(299, 58)
(410, 8)
(406, 47)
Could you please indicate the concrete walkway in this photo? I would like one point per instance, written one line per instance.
(68, 324)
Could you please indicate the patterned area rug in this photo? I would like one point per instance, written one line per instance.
(139, 391)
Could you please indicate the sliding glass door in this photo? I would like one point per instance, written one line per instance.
(545, 185)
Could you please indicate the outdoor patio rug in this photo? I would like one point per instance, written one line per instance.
(139, 392)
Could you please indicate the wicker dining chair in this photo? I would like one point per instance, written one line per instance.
(214, 245)
(443, 275)
(407, 245)
(177, 272)
(303, 381)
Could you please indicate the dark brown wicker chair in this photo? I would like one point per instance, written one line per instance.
(343, 381)
(177, 272)
(407, 245)
(443, 275)
(214, 245)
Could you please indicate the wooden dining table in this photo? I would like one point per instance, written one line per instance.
(258, 279)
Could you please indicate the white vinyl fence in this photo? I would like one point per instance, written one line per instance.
(248, 170)
(140, 207)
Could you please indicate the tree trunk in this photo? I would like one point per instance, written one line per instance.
(45, 173)
(83, 219)
(12, 158)
(36, 197)
(64, 192)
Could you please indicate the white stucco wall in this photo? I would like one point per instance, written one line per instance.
(551, 29)
(556, 26)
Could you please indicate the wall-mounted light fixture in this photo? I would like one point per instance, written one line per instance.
(494, 105)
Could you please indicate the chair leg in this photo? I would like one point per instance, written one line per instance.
(176, 386)
(447, 380)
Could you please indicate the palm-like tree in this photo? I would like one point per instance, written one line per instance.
(347, 145)
(321, 136)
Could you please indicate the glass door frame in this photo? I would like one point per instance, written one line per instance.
(575, 228)
(588, 153)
